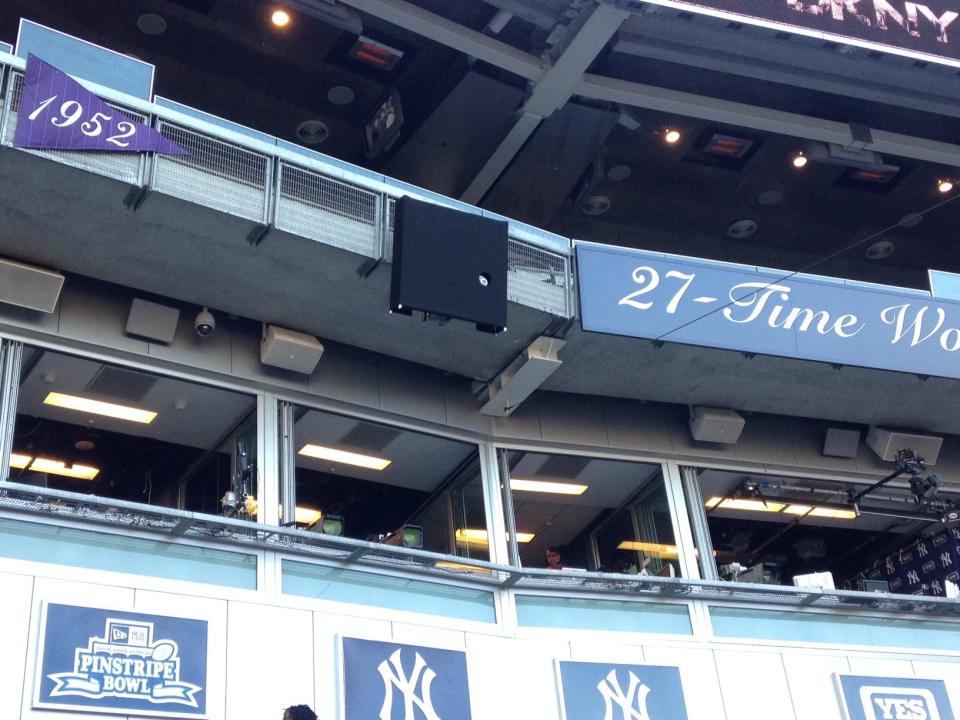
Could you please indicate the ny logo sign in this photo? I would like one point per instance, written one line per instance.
(632, 703)
(394, 679)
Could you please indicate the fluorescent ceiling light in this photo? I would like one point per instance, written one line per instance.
(658, 549)
(342, 456)
(461, 567)
(96, 407)
(835, 513)
(479, 537)
(56, 467)
(543, 486)
(19, 461)
(306, 515)
(745, 504)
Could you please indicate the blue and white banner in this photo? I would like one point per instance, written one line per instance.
(659, 297)
(392, 681)
(107, 661)
(603, 691)
(883, 698)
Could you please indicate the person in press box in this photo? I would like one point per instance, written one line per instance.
(299, 712)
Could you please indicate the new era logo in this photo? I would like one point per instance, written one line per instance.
(897, 703)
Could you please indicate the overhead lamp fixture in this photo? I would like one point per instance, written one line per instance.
(332, 525)
(53, 467)
(650, 548)
(799, 160)
(461, 567)
(820, 511)
(476, 536)
(280, 18)
(744, 504)
(306, 515)
(97, 407)
(328, 11)
(944, 185)
(544, 486)
(727, 146)
(345, 457)
(375, 54)
(671, 136)
(787, 508)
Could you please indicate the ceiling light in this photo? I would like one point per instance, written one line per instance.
(19, 461)
(56, 467)
(944, 185)
(728, 146)
(96, 407)
(345, 457)
(306, 515)
(557, 488)
(280, 18)
(476, 536)
(834, 513)
(671, 136)
(744, 504)
(461, 567)
(658, 549)
(799, 160)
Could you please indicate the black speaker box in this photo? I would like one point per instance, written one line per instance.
(449, 263)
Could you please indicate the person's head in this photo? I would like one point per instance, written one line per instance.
(299, 712)
(553, 556)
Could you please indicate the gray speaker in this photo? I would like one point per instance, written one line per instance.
(29, 287)
(152, 321)
(841, 443)
(716, 425)
(290, 350)
(886, 443)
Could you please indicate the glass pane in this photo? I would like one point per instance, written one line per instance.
(374, 482)
(91, 427)
(590, 513)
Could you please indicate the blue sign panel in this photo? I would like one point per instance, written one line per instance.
(648, 295)
(392, 681)
(126, 663)
(601, 691)
(882, 698)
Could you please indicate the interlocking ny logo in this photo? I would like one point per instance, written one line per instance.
(394, 678)
(632, 703)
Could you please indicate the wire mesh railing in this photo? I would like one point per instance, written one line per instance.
(119, 516)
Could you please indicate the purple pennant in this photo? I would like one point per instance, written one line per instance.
(58, 112)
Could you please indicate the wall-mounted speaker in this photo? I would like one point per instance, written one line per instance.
(886, 443)
(29, 287)
(152, 320)
(290, 350)
(717, 425)
(449, 263)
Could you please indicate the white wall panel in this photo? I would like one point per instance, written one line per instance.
(215, 613)
(585, 650)
(754, 685)
(15, 604)
(878, 665)
(269, 660)
(812, 686)
(698, 672)
(948, 671)
(429, 636)
(512, 678)
(326, 627)
(67, 593)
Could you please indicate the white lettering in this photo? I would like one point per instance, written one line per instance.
(756, 299)
(896, 315)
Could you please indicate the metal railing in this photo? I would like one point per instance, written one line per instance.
(301, 197)
(170, 524)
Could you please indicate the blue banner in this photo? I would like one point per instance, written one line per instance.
(391, 681)
(126, 663)
(601, 691)
(883, 698)
(658, 297)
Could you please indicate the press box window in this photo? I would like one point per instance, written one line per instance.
(91, 427)
(374, 482)
(601, 515)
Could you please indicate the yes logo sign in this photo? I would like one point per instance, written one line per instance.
(391, 681)
(601, 691)
(878, 698)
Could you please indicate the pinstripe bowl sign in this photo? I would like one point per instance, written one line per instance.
(923, 29)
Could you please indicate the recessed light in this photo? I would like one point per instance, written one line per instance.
(944, 185)
(880, 250)
(344, 456)
(770, 197)
(280, 18)
(313, 132)
(742, 229)
(476, 536)
(799, 160)
(619, 172)
(84, 445)
(97, 407)
(544, 486)
(53, 467)
(596, 205)
(340, 95)
(671, 136)
(152, 24)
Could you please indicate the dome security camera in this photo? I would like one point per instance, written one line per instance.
(204, 323)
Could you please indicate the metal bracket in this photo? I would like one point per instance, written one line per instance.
(135, 197)
(259, 233)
